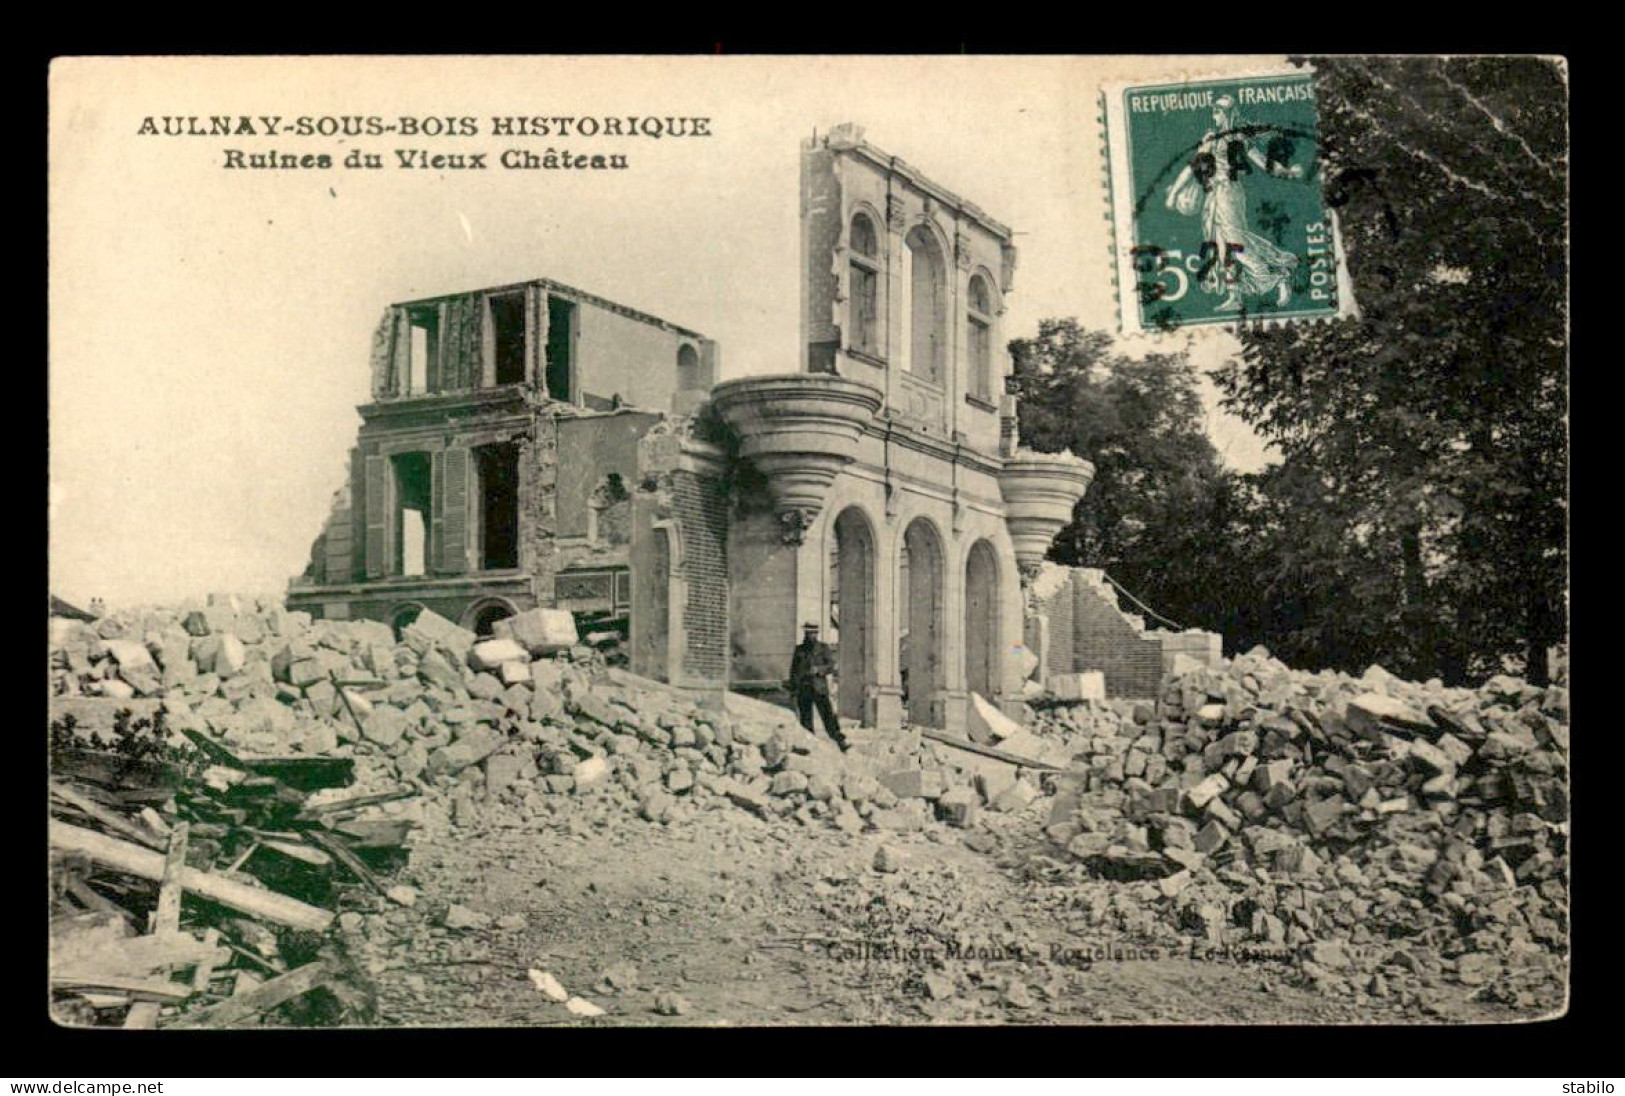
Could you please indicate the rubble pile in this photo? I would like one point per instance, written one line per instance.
(1400, 836)
(512, 722)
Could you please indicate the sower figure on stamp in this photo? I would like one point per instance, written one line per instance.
(810, 670)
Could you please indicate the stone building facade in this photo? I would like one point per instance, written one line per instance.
(894, 508)
(534, 445)
(496, 461)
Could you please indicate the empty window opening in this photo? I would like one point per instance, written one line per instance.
(498, 470)
(979, 338)
(423, 361)
(926, 289)
(609, 512)
(508, 337)
(864, 290)
(561, 323)
(412, 494)
(688, 369)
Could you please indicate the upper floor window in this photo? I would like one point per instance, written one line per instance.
(979, 337)
(423, 354)
(507, 339)
(864, 291)
(926, 306)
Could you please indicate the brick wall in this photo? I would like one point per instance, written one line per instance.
(700, 505)
(1105, 640)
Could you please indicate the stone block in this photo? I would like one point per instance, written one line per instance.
(914, 783)
(501, 772)
(958, 806)
(1367, 712)
(474, 746)
(1090, 685)
(492, 653)
(228, 657)
(540, 631)
(431, 629)
(385, 726)
(986, 720)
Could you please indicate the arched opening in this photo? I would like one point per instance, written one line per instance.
(979, 337)
(926, 312)
(485, 614)
(864, 290)
(920, 645)
(402, 618)
(982, 620)
(688, 369)
(852, 610)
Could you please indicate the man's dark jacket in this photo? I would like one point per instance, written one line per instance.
(810, 668)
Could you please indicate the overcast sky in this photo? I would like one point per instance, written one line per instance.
(210, 327)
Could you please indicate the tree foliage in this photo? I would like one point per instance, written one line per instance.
(1161, 505)
(1421, 500)
(1418, 514)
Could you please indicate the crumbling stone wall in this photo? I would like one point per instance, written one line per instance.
(1106, 640)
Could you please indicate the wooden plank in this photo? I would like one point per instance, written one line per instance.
(142, 989)
(137, 861)
(121, 826)
(338, 806)
(167, 918)
(986, 751)
(214, 750)
(93, 899)
(205, 969)
(344, 856)
(244, 1007)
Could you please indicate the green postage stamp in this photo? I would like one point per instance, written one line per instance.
(1216, 204)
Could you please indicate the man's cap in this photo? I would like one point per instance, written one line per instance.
(809, 627)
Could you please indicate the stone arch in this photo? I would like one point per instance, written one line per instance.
(922, 592)
(484, 613)
(853, 599)
(983, 620)
(402, 616)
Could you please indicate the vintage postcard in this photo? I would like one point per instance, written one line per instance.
(772, 541)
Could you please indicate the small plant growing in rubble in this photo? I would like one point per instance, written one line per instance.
(143, 739)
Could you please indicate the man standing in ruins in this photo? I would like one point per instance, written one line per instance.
(810, 670)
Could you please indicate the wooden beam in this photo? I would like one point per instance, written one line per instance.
(142, 989)
(93, 899)
(205, 969)
(350, 860)
(986, 751)
(267, 905)
(244, 1007)
(340, 805)
(121, 826)
(166, 919)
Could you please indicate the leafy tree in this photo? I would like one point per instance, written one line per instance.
(1159, 512)
(1421, 505)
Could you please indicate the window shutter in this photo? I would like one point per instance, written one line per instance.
(377, 566)
(452, 500)
(437, 510)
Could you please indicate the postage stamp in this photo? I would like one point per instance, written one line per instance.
(1216, 204)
